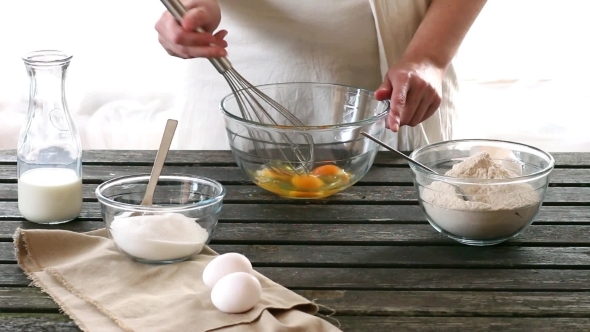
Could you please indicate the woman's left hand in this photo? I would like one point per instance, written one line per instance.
(415, 90)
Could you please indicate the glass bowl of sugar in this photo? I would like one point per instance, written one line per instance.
(178, 225)
(485, 192)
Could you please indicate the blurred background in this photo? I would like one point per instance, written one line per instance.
(523, 69)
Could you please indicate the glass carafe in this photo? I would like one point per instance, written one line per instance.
(49, 153)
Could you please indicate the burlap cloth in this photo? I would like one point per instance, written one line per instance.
(102, 289)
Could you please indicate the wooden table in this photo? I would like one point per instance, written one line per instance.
(367, 252)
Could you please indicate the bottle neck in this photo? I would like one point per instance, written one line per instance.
(47, 87)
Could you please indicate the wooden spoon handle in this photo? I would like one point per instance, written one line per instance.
(160, 159)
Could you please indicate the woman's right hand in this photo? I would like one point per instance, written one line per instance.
(182, 41)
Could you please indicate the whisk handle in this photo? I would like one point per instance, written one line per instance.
(177, 10)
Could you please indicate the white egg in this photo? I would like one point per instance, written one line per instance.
(236, 293)
(223, 265)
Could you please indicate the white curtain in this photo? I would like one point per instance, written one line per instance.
(121, 83)
(524, 68)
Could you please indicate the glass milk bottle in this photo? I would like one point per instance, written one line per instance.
(49, 153)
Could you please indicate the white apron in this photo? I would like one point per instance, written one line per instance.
(348, 42)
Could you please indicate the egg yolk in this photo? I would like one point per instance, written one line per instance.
(322, 181)
(306, 182)
(326, 170)
(330, 170)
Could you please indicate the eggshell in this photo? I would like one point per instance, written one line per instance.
(223, 265)
(236, 293)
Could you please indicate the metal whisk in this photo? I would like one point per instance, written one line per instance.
(249, 100)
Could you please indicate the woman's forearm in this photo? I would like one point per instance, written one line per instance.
(442, 31)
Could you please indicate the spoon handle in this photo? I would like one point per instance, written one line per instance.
(159, 163)
(398, 152)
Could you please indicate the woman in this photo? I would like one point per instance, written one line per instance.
(402, 49)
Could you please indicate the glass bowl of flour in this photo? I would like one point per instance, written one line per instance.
(485, 192)
(179, 224)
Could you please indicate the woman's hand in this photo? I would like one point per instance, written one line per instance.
(183, 41)
(415, 90)
(414, 84)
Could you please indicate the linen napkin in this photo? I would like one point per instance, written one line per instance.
(102, 289)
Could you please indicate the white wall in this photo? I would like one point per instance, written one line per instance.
(524, 67)
(119, 71)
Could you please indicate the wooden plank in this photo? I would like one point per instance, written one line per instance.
(389, 303)
(397, 279)
(354, 195)
(429, 279)
(252, 193)
(313, 213)
(19, 322)
(572, 159)
(189, 157)
(138, 157)
(233, 175)
(372, 234)
(396, 256)
(288, 213)
(444, 303)
(25, 299)
(468, 324)
(58, 322)
(98, 174)
(568, 176)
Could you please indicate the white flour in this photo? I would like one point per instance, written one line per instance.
(158, 237)
(492, 211)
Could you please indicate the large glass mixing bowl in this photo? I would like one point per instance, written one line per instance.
(279, 158)
(496, 209)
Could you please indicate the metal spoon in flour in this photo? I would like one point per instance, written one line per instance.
(416, 163)
(158, 163)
